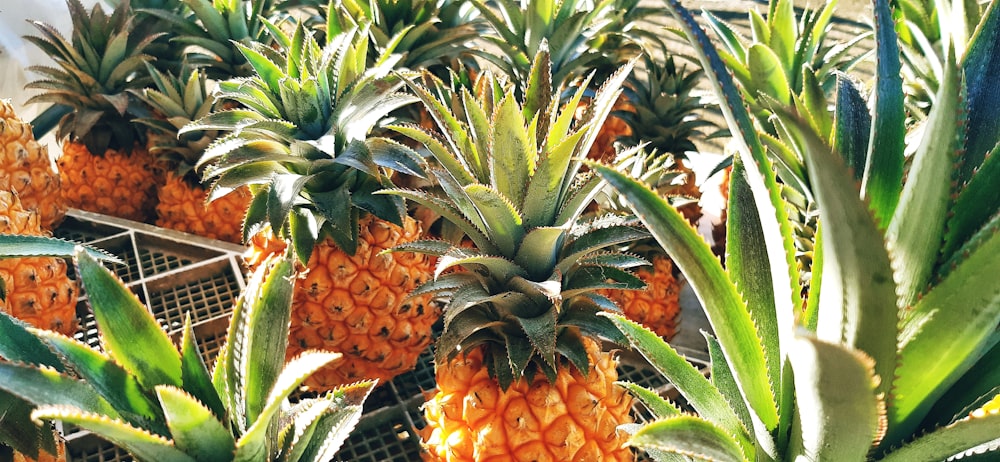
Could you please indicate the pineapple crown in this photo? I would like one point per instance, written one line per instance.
(892, 354)
(428, 33)
(96, 68)
(301, 140)
(177, 101)
(512, 183)
(663, 108)
(209, 31)
(158, 400)
(581, 36)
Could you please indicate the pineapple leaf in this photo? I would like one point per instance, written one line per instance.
(977, 202)
(303, 230)
(18, 343)
(948, 330)
(125, 323)
(704, 396)
(542, 198)
(195, 428)
(538, 251)
(726, 311)
(139, 443)
(690, 436)
(396, 157)
(269, 72)
(770, 206)
(722, 377)
(12, 246)
(46, 387)
(495, 265)
(265, 335)
(340, 418)
(852, 126)
(781, 23)
(766, 73)
(838, 413)
(656, 404)
(582, 311)
(941, 444)
(195, 375)
(597, 239)
(883, 176)
(115, 384)
(917, 228)
(981, 67)
(282, 195)
(747, 266)
(858, 303)
(510, 143)
(503, 221)
(252, 445)
(541, 334)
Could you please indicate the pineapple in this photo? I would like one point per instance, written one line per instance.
(520, 370)
(181, 204)
(303, 146)
(28, 167)
(103, 166)
(158, 401)
(36, 289)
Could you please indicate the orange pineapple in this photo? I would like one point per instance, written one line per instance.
(520, 374)
(575, 418)
(182, 201)
(116, 183)
(59, 456)
(37, 289)
(316, 175)
(28, 167)
(357, 304)
(658, 306)
(102, 168)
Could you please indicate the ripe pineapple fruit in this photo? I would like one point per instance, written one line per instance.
(103, 167)
(28, 167)
(36, 290)
(519, 369)
(182, 200)
(313, 169)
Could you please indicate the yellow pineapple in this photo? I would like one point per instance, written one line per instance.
(185, 207)
(357, 304)
(28, 167)
(519, 368)
(37, 290)
(104, 167)
(314, 175)
(658, 306)
(116, 183)
(182, 202)
(575, 418)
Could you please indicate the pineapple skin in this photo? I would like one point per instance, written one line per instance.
(657, 307)
(357, 305)
(183, 207)
(471, 419)
(115, 183)
(26, 164)
(38, 289)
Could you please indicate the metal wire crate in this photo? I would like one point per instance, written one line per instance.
(174, 274)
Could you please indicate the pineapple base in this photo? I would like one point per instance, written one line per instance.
(577, 418)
